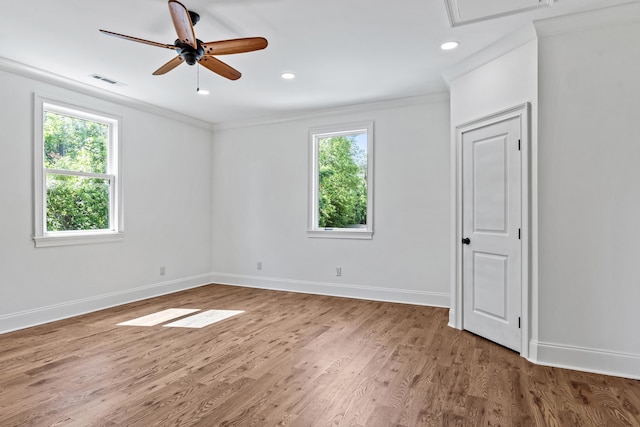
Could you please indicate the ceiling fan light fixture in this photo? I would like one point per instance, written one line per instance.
(288, 76)
(449, 45)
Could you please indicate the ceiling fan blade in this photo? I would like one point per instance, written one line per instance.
(220, 67)
(182, 23)
(169, 66)
(225, 47)
(136, 39)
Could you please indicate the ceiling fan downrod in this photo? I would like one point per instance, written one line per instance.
(194, 16)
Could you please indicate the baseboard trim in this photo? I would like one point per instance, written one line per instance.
(41, 315)
(597, 361)
(404, 296)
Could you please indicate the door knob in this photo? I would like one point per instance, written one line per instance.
(466, 241)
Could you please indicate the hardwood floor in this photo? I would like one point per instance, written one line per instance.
(290, 359)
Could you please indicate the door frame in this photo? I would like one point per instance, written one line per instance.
(523, 112)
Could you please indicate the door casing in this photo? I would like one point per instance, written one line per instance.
(523, 112)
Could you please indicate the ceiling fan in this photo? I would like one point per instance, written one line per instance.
(192, 50)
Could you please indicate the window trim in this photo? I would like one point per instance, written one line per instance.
(338, 130)
(43, 238)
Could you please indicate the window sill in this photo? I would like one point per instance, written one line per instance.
(67, 239)
(341, 233)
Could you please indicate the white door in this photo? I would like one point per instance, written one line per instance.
(491, 221)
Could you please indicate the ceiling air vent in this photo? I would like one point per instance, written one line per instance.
(107, 80)
(469, 11)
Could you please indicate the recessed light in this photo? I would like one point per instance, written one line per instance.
(449, 45)
(288, 76)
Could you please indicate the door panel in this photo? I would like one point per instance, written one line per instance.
(490, 182)
(490, 288)
(491, 219)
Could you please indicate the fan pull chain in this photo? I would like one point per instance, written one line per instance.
(198, 90)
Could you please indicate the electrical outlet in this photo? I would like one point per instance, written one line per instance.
(163, 271)
(259, 265)
(338, 271)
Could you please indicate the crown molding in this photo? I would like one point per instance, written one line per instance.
(44, 76)
(338, 110)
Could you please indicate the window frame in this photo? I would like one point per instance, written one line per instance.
(316, 133)
(115, 232)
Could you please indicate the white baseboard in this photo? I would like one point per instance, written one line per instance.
(38, 316)
(405, 296)
(586, 359)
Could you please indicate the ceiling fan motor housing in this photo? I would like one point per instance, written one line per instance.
(188, 53)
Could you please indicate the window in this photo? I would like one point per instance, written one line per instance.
(77, 185)
(341, 182)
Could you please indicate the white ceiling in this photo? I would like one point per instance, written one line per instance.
(343, 52)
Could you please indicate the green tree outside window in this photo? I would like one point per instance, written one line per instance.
(75, 160)
(342, 182)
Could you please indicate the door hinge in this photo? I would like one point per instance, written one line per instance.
(519, 234)
(519, 141)
(519, 323)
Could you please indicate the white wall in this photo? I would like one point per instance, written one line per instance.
(507, 81)
(589, 195)
(167, 214)
(260, 191)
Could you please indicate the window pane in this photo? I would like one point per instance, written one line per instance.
(77, 203)
(342, 181)
(74, 144)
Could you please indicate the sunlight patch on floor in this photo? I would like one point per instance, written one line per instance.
(199, 320)
(159, 317)
(203, 319)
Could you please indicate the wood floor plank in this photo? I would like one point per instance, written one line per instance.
(290, 360)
